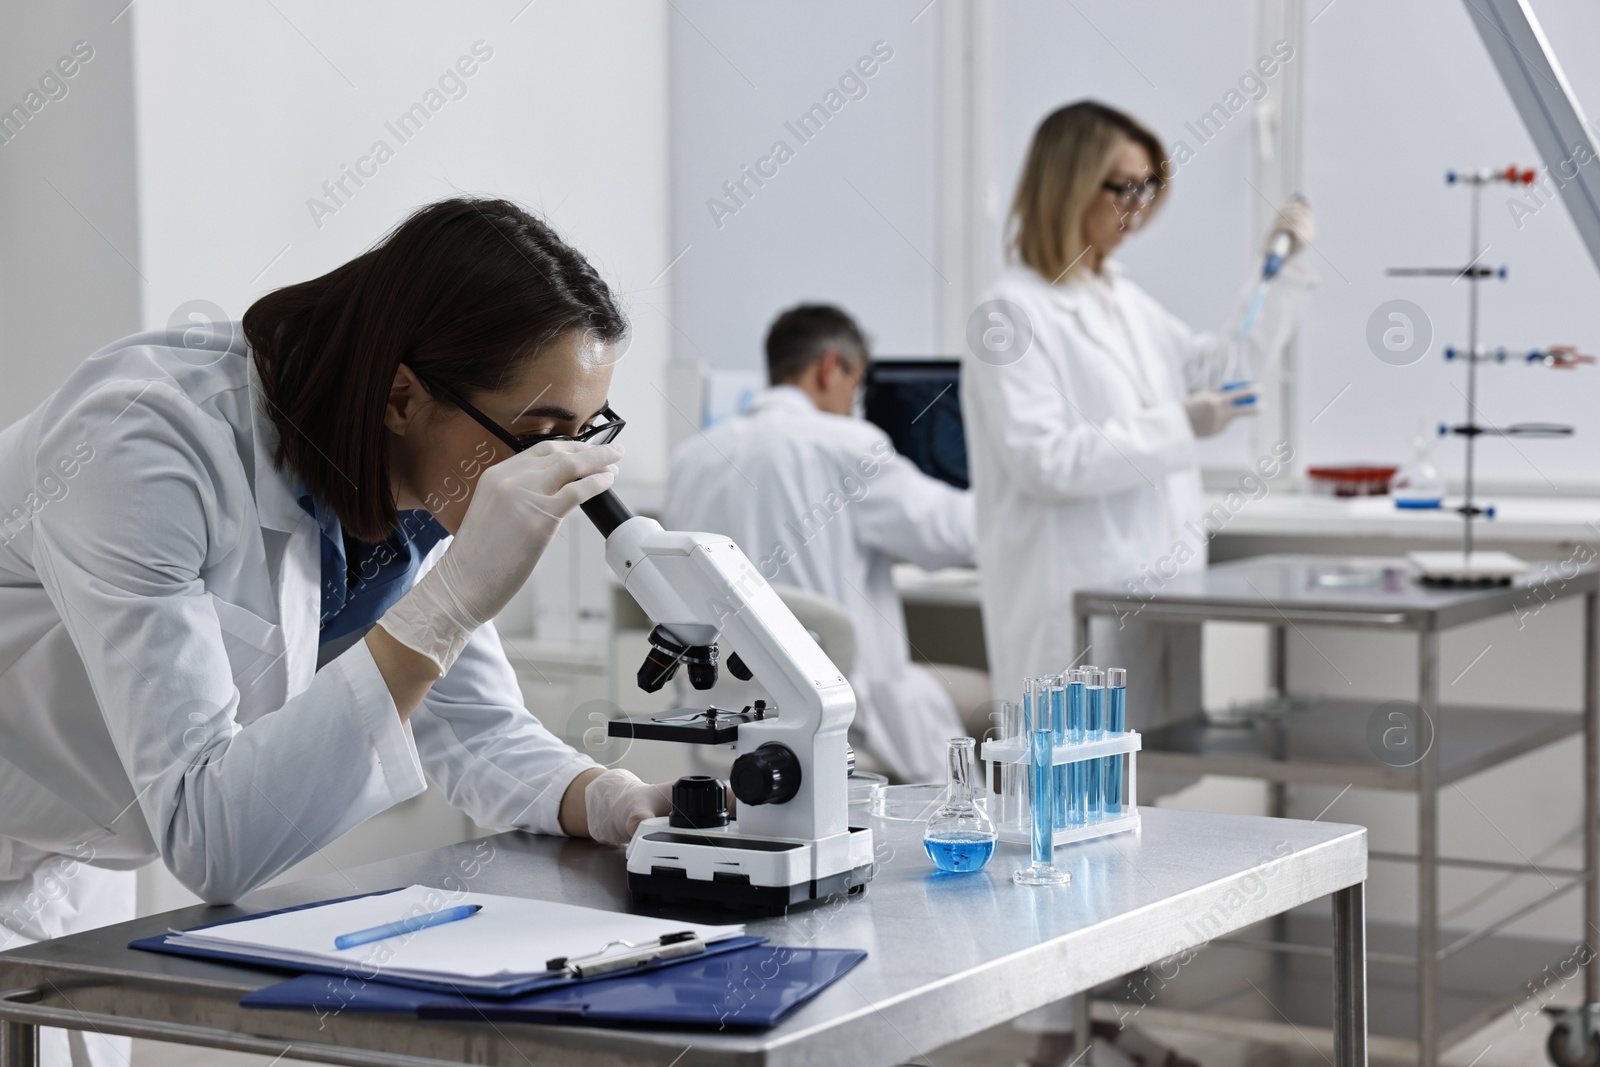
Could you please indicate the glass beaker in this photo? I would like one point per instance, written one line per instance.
(960, 837)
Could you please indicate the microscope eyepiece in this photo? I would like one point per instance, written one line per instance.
(606, 511)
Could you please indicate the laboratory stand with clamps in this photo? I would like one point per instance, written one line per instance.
(1468, 567)
(1435, 986)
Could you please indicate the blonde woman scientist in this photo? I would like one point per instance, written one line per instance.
(1082, 421)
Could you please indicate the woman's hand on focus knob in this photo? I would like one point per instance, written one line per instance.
(617, 802)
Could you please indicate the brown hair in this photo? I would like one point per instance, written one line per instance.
(463, 292)
(1071, 155)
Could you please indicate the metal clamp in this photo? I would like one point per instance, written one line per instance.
(666, 947)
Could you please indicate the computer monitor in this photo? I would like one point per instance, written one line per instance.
(917, 402)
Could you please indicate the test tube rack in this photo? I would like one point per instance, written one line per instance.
(1016, 751)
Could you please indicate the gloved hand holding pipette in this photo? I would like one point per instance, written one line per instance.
(1296, 220)
(1294, 227)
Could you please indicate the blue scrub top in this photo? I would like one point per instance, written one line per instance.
(361, 580)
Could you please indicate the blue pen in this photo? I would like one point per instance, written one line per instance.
(405, 926)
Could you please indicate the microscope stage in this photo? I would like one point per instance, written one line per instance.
(687, 726)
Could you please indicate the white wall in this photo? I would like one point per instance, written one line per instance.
(69, 247)
(244, 111)
(849, 219)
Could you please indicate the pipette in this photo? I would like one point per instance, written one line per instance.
(1278, 250)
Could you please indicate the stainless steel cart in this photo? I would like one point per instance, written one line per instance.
(1460, 985)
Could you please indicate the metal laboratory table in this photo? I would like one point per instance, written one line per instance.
(1434, 993)
(949, 955)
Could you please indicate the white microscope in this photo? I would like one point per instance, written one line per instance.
(791, 842)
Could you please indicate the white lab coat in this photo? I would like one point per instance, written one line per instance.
(159, 690)
(1084, 465)
(822, 502)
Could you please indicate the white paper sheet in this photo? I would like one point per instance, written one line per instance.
(511, 937)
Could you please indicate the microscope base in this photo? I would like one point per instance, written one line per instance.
(763, 875)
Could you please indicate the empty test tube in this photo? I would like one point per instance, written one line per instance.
(1116, 725)
(1094, 692)
(1013, 776)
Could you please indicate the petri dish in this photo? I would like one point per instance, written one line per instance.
(908, 803)
(861, 786)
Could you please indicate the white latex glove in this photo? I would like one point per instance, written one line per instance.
(617, 802)
(1295, 219)
(515, 510)
(1210, 412)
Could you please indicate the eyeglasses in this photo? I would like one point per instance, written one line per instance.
(1133, 195)
(602, 429)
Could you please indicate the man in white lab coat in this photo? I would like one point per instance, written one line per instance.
(818, 499)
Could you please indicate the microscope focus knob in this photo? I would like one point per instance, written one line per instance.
(698, 803)
(769, 775)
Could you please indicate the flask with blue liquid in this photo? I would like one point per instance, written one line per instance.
(960, 836)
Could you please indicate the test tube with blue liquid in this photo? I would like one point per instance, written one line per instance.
(1041, 738)
(1076, 778)
(1057, 692)
(1094, 692)
(1116, 725)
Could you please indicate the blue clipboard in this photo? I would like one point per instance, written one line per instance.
(750, 986)
(340, 977)
(158, 942)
